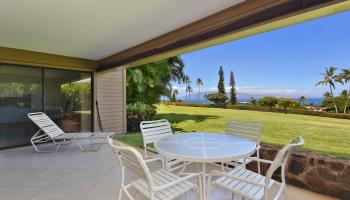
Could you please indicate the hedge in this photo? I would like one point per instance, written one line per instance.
(262, 109)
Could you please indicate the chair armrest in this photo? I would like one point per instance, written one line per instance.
(260, 160)
(156, 158)
(182, 179)
(220, 173)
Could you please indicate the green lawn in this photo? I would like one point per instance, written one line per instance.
(325, 135)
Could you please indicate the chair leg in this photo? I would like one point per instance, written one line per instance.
(46, 151)
(258, 163)
(285, 193)
(120, 193)
(91, 143)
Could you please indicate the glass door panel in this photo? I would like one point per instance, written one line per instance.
(20, 94)
(67, 97)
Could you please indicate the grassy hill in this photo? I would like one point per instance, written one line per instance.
(325, 135)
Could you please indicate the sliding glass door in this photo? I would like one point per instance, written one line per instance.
(20, 94)
(64, 95)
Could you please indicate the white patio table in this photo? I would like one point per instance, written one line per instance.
(205, 148)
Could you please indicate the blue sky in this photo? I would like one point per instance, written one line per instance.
(287, 62)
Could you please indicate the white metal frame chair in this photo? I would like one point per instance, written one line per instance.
(49, 131)
(251, 185)
(249, 130)
(152, 131)
(159, 185)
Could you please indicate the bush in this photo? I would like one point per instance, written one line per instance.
(292, 111)
(179, 103)
(242, 106)
(268, 101)
(138, 112)
(286, 103)
(217, 98)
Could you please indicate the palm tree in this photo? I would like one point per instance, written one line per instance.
(328, 80)
(344, 93)
(199, 82)
(189, 89)
(302, 100)
(327, 95)
(177, 68)
(187, 81)
(175, 93)
(344, 77)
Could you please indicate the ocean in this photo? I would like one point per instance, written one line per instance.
(316, 101)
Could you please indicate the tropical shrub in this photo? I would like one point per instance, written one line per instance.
(286, 103)
(138, 112)
(217, 98)
(268, 101)
(340, 101)
(179, 103)
(299, 111)
(147, 83)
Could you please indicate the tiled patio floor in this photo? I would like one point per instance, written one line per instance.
(73, 175)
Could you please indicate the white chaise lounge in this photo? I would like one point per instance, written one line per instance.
(49, 131)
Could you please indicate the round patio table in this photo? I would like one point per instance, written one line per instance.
(205, 148)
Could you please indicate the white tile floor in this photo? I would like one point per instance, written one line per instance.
(71, 174)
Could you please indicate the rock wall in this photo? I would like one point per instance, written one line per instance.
(319, 173)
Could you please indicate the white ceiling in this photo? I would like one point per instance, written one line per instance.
(95, 29)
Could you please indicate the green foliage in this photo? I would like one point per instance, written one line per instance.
(233, 95)
(286, 103)
(147, 83)
(221, 83)
(179, 103)
(340, 101)
(329, 79)
(138, 112)
(290, 111)
(253, 101)
(76, 96)
(217, 98)
(302, 100)
(268, 101)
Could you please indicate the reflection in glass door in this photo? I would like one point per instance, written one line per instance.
(20, 94)
(67, 97)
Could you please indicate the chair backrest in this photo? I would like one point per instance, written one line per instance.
(152, 131)
(282, 158)
(46, 124)
(250, 130)
(130, 158)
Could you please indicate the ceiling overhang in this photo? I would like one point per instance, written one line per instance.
(244, 19)
(213, 29)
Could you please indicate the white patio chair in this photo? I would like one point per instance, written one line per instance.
(159, 185)
(249, 130)
(49, 131)
(152, 131)
(251, 185)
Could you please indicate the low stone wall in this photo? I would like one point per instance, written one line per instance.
(319, 173)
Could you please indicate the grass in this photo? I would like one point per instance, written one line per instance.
(323, 135)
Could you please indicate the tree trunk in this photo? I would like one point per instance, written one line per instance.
(347, 101)
(335, 105)
(199, 91)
